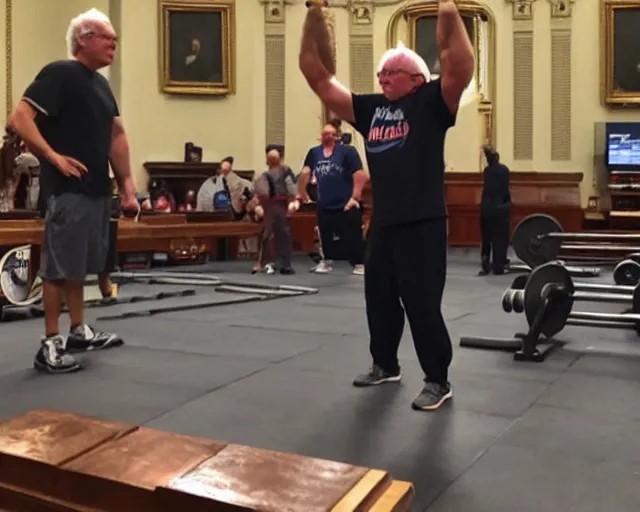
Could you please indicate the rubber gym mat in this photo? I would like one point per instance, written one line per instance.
(182, 304)
(13, 313)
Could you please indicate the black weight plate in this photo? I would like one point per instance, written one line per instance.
(635, 257)
(627, 273)
(558, 313)
(529, 242)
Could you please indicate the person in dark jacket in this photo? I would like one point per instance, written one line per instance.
(495, 214)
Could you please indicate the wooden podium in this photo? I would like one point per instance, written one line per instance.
(56, 461)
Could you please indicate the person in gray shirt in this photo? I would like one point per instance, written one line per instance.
(276, 189)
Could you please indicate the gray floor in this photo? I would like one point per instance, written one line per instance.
(556, 436)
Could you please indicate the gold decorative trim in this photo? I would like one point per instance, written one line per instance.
(611, 94)
(416, 10)
(227, 10)
(8, 56)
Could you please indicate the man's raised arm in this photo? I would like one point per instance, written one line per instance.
(316, 64)
(457, 60)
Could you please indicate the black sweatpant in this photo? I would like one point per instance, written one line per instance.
(406, 272)
(348, 226)
(494, 230)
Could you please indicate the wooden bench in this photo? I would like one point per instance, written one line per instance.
(59, 461)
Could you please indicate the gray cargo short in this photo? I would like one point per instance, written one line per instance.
(76, 237)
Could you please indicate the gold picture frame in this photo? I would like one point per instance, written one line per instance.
(197, 46)
(480, 13)
(619, 74)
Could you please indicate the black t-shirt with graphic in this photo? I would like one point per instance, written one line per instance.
(404, 141)
(76, 109)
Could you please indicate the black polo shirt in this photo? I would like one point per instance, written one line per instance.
(76, 109)
(404, 141)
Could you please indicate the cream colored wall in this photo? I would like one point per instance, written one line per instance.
(160, 124)
(3, 62)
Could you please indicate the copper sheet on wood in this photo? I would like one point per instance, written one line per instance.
(269, 481)
(33, 445)
(145, 459)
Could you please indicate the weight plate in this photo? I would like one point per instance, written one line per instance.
(14, 277)
(627, 273)
(530, 243)
(635, 257)
(507, 300)
(518, 301)
(556, 318)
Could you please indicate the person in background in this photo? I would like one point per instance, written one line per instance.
(275, 191)
(495, 214)
(226, 191)
(340, 181)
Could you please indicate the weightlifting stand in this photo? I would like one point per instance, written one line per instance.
(547, 297)
(526, 345)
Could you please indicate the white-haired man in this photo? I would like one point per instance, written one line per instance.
(69, 118)
(404, 130)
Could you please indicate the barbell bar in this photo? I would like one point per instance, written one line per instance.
(538, 239)
(547, 297)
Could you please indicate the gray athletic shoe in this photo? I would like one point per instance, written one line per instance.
(432, 396)
(52, 357)
(375, 377)
(85, 337)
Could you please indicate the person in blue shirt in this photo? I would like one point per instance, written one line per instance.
(340, 179)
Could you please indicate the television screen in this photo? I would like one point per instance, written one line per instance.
(623, 146)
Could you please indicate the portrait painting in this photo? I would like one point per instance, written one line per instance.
(620, 53)
(425, 40)
(197, 46)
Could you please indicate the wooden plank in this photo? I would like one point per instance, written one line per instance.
(121, 475)
(253, 479)
(398, 497)
(55, 461)
(35, 444)
(365, 492)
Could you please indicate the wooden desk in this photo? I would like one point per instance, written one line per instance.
(139, 236)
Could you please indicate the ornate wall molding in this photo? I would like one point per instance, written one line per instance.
(275, 68)
(522, 78)
(522, 9)
(561, 8)
(561, 66)
(8, 55)
(361, 60)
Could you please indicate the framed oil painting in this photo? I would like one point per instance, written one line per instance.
(620, 53)
(197, 46)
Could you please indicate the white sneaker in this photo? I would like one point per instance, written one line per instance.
(269, 268)
(324, 267)
(358, 270)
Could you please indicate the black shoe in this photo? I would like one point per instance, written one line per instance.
(84, 338)
(52, 357)
(287, 271)
(483, 272)
(375, 377)
(432, 396)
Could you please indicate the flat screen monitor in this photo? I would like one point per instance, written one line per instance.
(623, 146)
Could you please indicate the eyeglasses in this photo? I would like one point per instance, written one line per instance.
(395, 72)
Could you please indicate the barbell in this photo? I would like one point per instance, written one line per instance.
(538, 239)
(546, 297)
(627, 272)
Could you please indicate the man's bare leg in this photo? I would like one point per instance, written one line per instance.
(74, 294)
(52, 302)
(104, 283)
